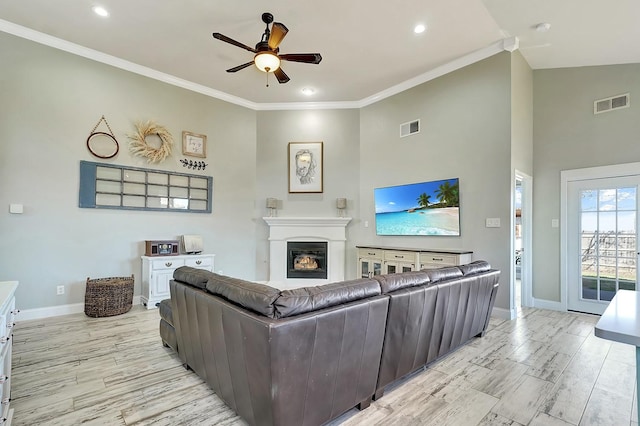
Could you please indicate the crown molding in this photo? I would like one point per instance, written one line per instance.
(76, 49)
(57, 43)
(447, 68)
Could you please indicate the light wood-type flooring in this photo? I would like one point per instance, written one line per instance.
(544, 368)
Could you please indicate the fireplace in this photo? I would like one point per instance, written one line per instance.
(327, 230)
(307, 259)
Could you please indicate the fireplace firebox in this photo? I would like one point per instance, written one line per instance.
(307, 259)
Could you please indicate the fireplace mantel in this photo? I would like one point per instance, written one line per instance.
(307, 221)
(283, 229)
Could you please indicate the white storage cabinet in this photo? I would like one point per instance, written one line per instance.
(157, 271)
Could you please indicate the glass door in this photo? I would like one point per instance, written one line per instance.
(602, 243)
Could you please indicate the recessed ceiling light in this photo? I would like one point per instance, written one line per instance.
(308, 91)
(543, 27)
(419, 29)
(100, 11)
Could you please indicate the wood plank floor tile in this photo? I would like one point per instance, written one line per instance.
(548, 365)
(502, 379)
(469, 409)
(114, 371)
(521, 404)
(542, 419)
(607, 408)
(206, 411)
(568, 399)
(617, 378)
(494, 419)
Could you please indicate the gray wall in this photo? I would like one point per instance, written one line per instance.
(339, 132)
(475, 126)
(465, 133)
(567, 135)
(51, 101)
(521, 114)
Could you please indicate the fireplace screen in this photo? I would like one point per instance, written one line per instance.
(307, 259)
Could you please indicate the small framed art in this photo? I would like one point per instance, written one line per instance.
(194, 145)
(305, 167)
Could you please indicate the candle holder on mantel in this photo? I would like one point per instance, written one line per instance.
(341, 205)
(272, 205)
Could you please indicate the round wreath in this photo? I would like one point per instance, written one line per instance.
(139, 146)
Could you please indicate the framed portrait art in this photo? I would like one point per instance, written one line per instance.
(305, 167)
(194, 145)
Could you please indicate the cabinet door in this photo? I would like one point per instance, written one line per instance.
(160, 285)
(363, 265)
(397, 267)
(368, 267)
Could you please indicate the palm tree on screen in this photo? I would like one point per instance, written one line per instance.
(448, 194)
(423, 200)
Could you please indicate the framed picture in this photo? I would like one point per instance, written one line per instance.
(305, 167)
(194, 145)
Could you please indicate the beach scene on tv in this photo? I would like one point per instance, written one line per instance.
(427, 208)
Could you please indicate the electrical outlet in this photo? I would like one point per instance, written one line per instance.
(60, 290)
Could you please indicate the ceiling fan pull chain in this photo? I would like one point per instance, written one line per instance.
(267, 78)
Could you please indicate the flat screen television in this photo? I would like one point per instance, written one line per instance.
(426, 208)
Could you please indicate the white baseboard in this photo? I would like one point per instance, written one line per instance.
(506, 314)
(548, 304)
(56, 311)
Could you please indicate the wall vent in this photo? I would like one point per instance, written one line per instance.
(410, 128)
(609, 104)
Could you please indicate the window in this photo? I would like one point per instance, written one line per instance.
(109, 186)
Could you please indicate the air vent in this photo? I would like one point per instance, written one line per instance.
(410, 128)
(609, 104)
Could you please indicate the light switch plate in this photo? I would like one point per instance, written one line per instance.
(16, 208)
(555, 223)
(492, 222)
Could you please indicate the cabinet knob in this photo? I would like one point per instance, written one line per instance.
(198, 262)
(167, 264)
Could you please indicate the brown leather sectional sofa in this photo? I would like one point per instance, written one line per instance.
(306, 356)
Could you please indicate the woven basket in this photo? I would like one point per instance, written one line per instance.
(105, 297)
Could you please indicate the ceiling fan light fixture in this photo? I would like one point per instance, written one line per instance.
(267, 61)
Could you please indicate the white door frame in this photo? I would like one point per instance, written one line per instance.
(526, 219)
(566, 176)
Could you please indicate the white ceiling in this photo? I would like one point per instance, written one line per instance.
(367, 46)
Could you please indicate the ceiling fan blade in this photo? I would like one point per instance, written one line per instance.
(240, 67)
(232, 41)
(278, 31)
(281, 76)
(308, 58)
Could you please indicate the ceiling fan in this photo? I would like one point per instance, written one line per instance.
(267, 59)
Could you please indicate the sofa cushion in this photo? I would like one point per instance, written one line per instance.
(256, 297)
(445, 273)
(165, 311)
(307, 299)
(393, 282)
(192, 276)
(475, 267)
